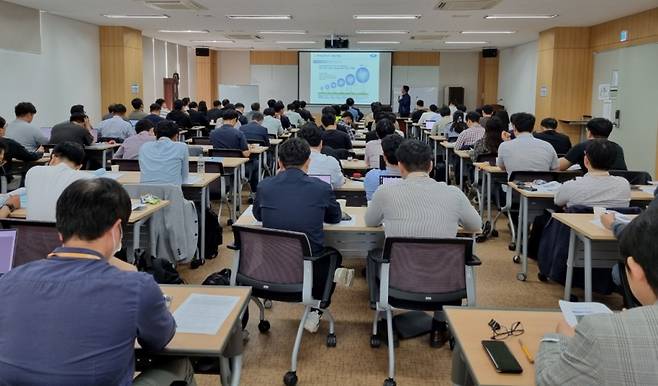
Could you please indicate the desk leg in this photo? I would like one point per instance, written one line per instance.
(588, 268)
(488, 177)
(276, 159)
(461, 174)
(203, 223)
(104, 159)
(570, 258)
(447, 167)
(236, 181)
(260, 165)
(519, 245)
(524, 257)
(236, 369)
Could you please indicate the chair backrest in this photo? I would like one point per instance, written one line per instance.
(126, 165)
(237, 153)
(201, 141)
(271, 255)
(566, 175)
(427, 266)
(529, 176)
(633, 177)
(34, 240)
(211, 167)
(256, 141)
(589, 209)
(382, 163)
(490, 158)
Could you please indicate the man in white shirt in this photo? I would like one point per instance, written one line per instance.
(431, 115)
(44, 184)
(23, 131)
(321, 164)
(116, 127)
(272, 124)
(292, 114)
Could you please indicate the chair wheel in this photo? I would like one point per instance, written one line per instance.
(267, 303)
(375, 342)
(229, 222)
(452, 343)
(512, 246)
(516, 259)
(290, 379)
(494, 233)
(389, 382)
(331, 340)
(264, 326)
(542, 277)
(481, 238)
(196, 263)
(521, 276)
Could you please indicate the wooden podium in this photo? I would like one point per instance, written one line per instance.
(170, 91)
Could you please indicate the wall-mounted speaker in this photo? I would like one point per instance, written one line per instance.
(489, 52)
(202, 52)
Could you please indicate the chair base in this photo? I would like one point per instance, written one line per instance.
(412, 324)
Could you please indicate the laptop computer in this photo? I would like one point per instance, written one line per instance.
(322, 177)
(383, 180)
(46, 131)
(429, 124)
(7, 249)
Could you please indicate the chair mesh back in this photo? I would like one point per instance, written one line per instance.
(271, 258)
(524, 176)
(34, 242)
(427, 268)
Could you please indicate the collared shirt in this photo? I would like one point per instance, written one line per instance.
(74, 321)
(354, 112)
(428, 116)
(44, 185)
(419, 206)
(295, 118)
(273, 125)
(595, 190)
(70, 132)
(373, 152)
(115, 127)
(26, 134)
(293, 201)
(371, 181)
(527, 153)
(577, 156)
(254, 131)
(130, 147)
(164, 162)
(228, 137)
(137, 115)
(441, 126)
(468, 137)
(326, 165)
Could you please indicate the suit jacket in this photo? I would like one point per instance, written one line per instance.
(214, 114)
(293, 201)
(182, 120)
(198, 118)
(617, 349)
(254, 131)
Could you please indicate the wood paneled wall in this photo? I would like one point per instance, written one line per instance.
(642, 29)
(487, 81)
(206, 76)
(274, 57)
(402, 58)
(121, 65)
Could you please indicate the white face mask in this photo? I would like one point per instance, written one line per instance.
(117, 248)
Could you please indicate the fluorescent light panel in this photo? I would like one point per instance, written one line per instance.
(136, 16)
(386, 17)
(212, 41)
(184, 31)
(290, 32)
(466, 42)
(488, 32)
(296, 42)
(521, 16)
(259, 17)
(378, 42)
(381, 32)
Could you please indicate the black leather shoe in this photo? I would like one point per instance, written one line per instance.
(438, 338)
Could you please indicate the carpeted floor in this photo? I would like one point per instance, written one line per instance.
(353, 361)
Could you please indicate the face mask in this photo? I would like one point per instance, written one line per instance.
(117, 248)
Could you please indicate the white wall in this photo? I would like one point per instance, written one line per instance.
(460, 69)
(234, 68)
(162, 59)
(423, 82)
(517, 78)
(66, 72)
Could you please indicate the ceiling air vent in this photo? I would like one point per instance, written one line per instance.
(244, 37)
(175, 5)
(424, 38)
(466, 5)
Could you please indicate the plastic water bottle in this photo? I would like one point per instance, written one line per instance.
(201, 166)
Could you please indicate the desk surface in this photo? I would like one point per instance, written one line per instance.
(102, 146)
(351, 186)
(201, 344)
(275, 141)
(582, 223)
(132, 178)
(636, 195)
(355, 164)
(135, 215)
(488, 168)
(257, 149)
(227, 162)
(465, 154)
(469, 327)
(438, 138)
(356, 143)
(448, 145)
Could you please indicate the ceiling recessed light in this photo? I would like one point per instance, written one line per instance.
(259, 17)
(521, 16)
(211, 41)
(184, 31)
(386, 17)
(381, 32)
(296, 42)
(488, 32)
(466, 42)
(378, 42)
(291, 32)
(136, 16)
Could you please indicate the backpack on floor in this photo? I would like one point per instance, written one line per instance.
(163, 271)
(214, 237)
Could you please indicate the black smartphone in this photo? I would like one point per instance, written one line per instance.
(501, 357)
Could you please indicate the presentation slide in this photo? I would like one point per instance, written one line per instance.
(330, 77)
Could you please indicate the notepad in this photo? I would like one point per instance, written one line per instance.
(573, 311)
(204, 314)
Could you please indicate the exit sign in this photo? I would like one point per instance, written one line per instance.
(623, 36)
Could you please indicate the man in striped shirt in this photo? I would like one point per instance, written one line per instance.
(474, 133)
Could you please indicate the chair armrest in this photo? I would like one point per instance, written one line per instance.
(474, 261)
(233, 247)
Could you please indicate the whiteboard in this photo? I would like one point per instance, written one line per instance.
(247, 94)
(429, 95)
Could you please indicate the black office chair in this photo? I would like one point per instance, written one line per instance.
(232, 153)
(108, 139)
(126, 165)
(422, 274)
(278, 265)
(633, 177)
(201, 141)
(34, 239)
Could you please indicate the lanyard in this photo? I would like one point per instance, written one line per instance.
(75, 253)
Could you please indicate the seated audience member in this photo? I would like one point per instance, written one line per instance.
(597, 187)
(443, 123)
(455, 127)
(419, 111)
(203, 108)
(292, 114)
(164, 161)
(164, 110)
(254, 130)
(369, 118)
(431, 115)
(613, 349)
(374, 148)
(255, 108)
(239, 107)
(332, 137)
(197, 117)
(179, 116)
(8, 203)
(279, 108)
(44, 184)
(560, 142)
(306, 115)
(215, 113)
(345, 124)
(155, 116)
(321, 164)
(273, 125)
(130, 147)
(492, 139)
(73, 131)
(504, 117)
(116, 127)
(110, 112)
(294, 201)
(525, 152)
(474, 133)
(418, 206)
(77, 109)
(72, 279)
(356, 113)
(487, 113)
(23, 131)
(186, 104)
(596, 128)
(390, 145)
(138, 112)
(14, 150)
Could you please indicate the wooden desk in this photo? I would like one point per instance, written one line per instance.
(354, 165)
(226, 344)
(463, 155)
(599, 248)
(359, 152)
(358, 143)
(447, 146)
(351, 186)
(469, 327)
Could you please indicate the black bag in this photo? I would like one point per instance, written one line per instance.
(163, 271)
(214, 237)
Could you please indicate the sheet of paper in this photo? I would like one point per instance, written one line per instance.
(204, 314)
(607, 110)
(573, 312)
(648, 189)
(597, 222)
(136, 205)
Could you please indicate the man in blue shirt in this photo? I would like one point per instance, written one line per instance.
(154, 116)
(390, 145)
(72, 318)
(254, 130)
(164, 161)
(116, 127)
(404, 103)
